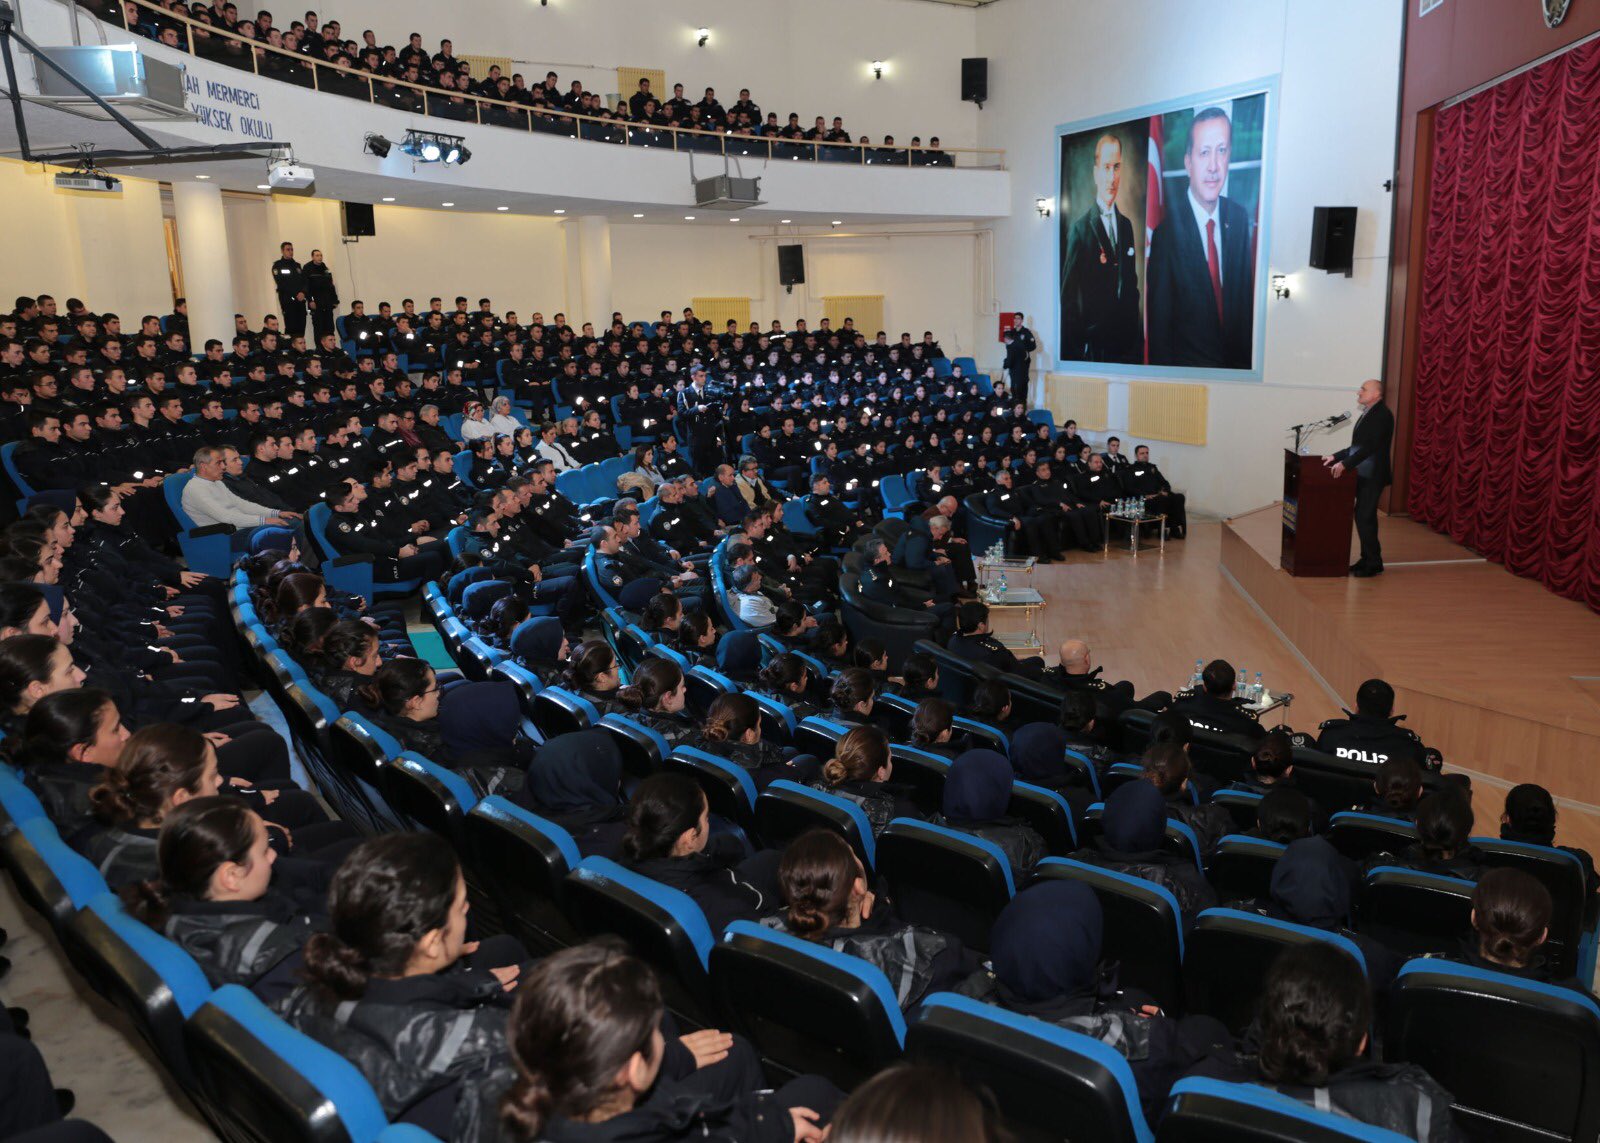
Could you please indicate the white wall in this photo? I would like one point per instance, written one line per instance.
(808, 58)
(1339, 69)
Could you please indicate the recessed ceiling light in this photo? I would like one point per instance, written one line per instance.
(502, 208)
(785, 221)
(561, 212)
(638, 216)
(838, 222)
(263, 186)
(202, 176)
(688, 218)
(447, 204)
(733, 220)
(388, 198)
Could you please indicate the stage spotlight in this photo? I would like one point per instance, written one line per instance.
(432, 147)
(452, 153)
(379, 146)
(430, 152)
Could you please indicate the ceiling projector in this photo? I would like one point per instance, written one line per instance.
(290, 176)
(99, 182)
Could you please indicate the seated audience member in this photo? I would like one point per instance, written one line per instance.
(1530, 816)
(731, 729)
(917, 1102)
(1214, 708)
(592, 672)
(933, 727)
(343, 664)
(1272, 768)
(540, 645)
(977, 794)
(1511, 913)
(859, 771)
(1168, 769)
(1045, 962)
(919, 677)
(1134, 841)
(1373, 733)
(697, 639)
(591, 1063)
(1144, 479)
(788, 679)
(748, 603)
(973, 642)
(827, 901)
(222, 899)
(1283, 815)
(654, 698)
(1076, 672)
(475, 730)
(1444, 830)
(1038, 754)
(575, 781)
(669, 840)
(739, 657)
(1085, 730)
(1397, 789)
(208, 502)
(66, 745)
(1311, 1041)
(850, 698)
(395, 987)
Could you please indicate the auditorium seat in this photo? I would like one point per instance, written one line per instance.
(643, 748)
(268, 1083)
(54, 879)
(945, 879)
(778, 721)
(524, 861)
(1143, 927)
(786, 809)
(807, 1008)
(558, 711)
(899, 629)
(1413, 912)
(1521, 1058)
(1227, 956)
(1049, 815)
(1359, 836)
(663, 926)
(1241, 868)
(153, 981)
(527, 684)
(817, 735)
(957, 676)
(1241, 806)
(704, 686)
(1050, 1083)
(729, 789)
(1571, 944)
(922, 773)
(427, 796)
(1203, 1110)
(358, 750)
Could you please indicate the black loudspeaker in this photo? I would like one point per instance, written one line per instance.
(791, 265)
(975, 80)
(1333, 239)
(358, 221)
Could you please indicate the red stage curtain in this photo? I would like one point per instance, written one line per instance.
(1506, 452)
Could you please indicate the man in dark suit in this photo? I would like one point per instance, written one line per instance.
(1201, 279)
(1368, 454)
(1099, 287)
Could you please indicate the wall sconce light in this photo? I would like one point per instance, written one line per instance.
(1280, 285)
(1043, 206)
(877, 69)
(704, 34)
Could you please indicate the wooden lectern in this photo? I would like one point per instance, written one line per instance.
(1317, 515)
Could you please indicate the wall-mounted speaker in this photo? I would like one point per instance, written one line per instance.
(791, 265)
(358, 220)
(975, 80)
(1333, 239)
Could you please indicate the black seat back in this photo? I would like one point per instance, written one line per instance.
(1050, 1084)
(1415, 913)
(1360, 835)
(1143, 927)
(1522, 1059)
(945, 879)
(1048, 813)
(1241, 868)
(1212, 1111)
(524, 860)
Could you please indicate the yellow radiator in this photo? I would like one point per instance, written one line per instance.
(1081, 399)
(1162, 411)
(480, 65)
(718, 311)
(867, 309)
(628, 82)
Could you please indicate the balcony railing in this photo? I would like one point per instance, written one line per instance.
(231, 49)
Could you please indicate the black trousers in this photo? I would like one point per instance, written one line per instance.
(1369, 489)
(294, 316)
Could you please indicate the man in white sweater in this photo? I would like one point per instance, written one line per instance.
(209, 502)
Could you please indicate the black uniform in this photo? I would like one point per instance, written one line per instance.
(1144, 479)
(290, 281)
(322, 296)
(1367, 738)
(1225, 716)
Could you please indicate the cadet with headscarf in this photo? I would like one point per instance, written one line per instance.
(575, 780)
(1044, 962)
(540, 645)
(1134, 841)
(977, 793)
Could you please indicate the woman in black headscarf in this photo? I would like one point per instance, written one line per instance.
(1134, 842)
(575, 780)
(1044, 962)
(977, 793)
(540, 645)
(739, 657)
(1038, 755)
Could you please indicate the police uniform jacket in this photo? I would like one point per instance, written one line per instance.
(1226, 716)
(1366, 738)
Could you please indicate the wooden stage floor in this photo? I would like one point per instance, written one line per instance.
(1492, 669)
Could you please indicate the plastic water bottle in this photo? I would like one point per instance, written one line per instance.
(1196, 679)
(1002, 585)
(1258, 692)
(1241, 684)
